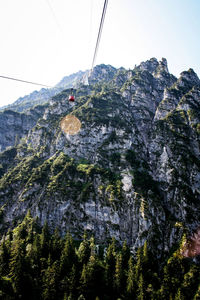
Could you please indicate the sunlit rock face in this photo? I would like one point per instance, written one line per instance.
(174, 93)
(191, 248)
(132, 169)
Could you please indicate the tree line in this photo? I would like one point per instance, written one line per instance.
(35, 264)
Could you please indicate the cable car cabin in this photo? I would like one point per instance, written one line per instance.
(71, 98)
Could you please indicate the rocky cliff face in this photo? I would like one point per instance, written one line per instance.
(132, 171)
(14, 126)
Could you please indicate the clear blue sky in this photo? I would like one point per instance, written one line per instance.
(45, 40)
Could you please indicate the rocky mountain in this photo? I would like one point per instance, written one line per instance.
(132, 171)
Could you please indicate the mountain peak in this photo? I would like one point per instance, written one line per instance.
(102, 72)
(189, 76)
(163, 64)
(149, 65)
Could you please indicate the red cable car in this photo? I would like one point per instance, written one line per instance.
(71, 96)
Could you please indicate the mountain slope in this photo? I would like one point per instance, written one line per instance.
(131, 172)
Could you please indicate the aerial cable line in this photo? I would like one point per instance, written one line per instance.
(30, 82)
(99, 34)
(54, 16)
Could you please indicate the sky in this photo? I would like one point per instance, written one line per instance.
(44, 40)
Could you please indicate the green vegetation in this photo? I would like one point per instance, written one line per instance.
(7, 159)
(35, 264)
(103, 109)
(64, 176)
(21, 172)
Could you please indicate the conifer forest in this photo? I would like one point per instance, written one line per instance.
(35, 264)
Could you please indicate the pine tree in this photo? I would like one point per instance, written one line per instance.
(141, 293)
(83, 280)
(164, 291)
(45, 241)
(38, 264)
(73, 281)
(95, 273)
(4, 258)
(68, 266)
(173, 276)
(36, 249)
(148, 267)
(91, 282)
(51, 282)
(110, 261)
(131, 285)
(118, 275)
(145, 253)
(56, 245)
(84, 250)
(92, 247)
(179, 295)
(125, 259)
(139, 264)
(68, 256)
(143, 273)
(190, 283)
(18, 270)
(125, 255)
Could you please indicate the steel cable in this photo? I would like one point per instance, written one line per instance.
(30, 82)
(99, 34)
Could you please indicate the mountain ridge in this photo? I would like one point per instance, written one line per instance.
(131, 172)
